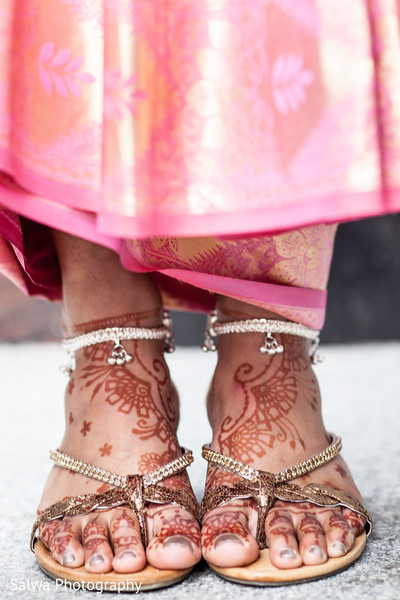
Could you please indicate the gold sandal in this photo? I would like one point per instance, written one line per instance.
(135, 491)
(264, 488)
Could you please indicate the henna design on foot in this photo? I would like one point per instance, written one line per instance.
(86, 427)
(106, 449)
(224, 521)
(62, 536)
(177, 525)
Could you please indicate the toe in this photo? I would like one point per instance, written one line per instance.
(339, 533)
(46, 532)
(65, 545)
(129, 554)
(98, 552)
(174, 540)
(311, 536)
(355, 520)
(282, 542)
(226, 539)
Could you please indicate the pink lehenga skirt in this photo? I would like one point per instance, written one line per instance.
(212, 143)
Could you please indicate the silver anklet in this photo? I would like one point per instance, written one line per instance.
(271, 346)
(119, 356)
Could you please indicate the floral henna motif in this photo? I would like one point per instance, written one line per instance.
(356, 521)
(94, 535)
(280, 525)
(46, 532)
(105, 450)
(224, 521)
(120, 532)
(86, 427)
(178, 524)
(62, 536)
(309, 525)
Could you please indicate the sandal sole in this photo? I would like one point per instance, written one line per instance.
(263, 573)
(149, 578)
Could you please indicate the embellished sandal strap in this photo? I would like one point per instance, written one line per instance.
(172, 468)
(235, 466)
(134, 490)
(264, 488)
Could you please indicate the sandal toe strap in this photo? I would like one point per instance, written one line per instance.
(135, 495)
(265, 491)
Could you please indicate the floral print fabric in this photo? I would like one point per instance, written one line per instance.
(126, 121)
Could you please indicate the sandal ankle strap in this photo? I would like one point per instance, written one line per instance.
(119, 356)
(271, 346)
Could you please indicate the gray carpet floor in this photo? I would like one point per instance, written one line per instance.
(361, 391)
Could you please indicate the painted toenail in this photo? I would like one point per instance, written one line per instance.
(227, 537)
(316, 550)
(96, 560)
(127, 554)
(178, 540)
(339, 547)
(288, 553)
(68, 558)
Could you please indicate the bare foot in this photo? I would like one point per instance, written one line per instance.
(123, 419)
(266, 411)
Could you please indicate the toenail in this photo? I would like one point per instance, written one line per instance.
(178, 540)
(339, 547)
(96, 560)
(227, 537)
(127, 554)
(288, 553)
(316, 550)
(68, 558)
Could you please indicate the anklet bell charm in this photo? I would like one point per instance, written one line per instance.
(271, 346)
(119, 355)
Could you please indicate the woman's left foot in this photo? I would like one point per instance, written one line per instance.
(266, 412)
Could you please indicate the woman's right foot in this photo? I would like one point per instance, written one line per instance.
(122, 419)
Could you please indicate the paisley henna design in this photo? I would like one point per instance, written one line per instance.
(71, 418)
